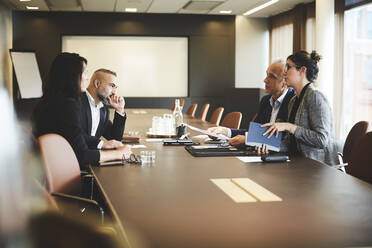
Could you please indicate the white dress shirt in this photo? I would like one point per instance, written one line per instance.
(96, 116)
(275, 104)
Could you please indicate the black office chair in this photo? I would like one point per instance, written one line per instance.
(360, 163)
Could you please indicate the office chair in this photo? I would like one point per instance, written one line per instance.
(203, 112)
(360, 161)
(355, 134)
(182, 102)
(232, 120)
(62, 171)
(192, 109)
(216, 116)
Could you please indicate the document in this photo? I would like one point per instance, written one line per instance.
(254, 159)
(154, 140)
(218, 136)
(255, 137)
(138, 146)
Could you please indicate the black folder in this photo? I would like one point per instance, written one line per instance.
(219, 151)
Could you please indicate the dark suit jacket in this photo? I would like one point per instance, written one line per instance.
(62, 116)
(105, 128)
(264, 112)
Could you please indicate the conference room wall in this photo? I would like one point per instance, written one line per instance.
(211, 48)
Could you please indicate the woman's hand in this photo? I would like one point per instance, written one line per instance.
(261, 150)
(276, 127)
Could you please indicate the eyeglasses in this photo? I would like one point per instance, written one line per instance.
(133, 159)
(288, 67)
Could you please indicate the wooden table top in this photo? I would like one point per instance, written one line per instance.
(174, 204)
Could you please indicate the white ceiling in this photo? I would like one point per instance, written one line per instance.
(237, 7)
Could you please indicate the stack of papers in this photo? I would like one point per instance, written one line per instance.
(214, 135)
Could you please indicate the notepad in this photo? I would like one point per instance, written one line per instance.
(255, 137)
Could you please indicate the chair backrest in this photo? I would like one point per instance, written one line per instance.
(360, 164)
(182, 102)
(191, 110)
(203, 112)
(232, 120)
(62, 169)
(355, 134)
(216, 116)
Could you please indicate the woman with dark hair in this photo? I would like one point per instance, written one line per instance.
(310, 126)
(58, 110)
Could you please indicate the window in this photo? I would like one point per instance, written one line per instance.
(282, 42)
(357, 67)
(281, 36)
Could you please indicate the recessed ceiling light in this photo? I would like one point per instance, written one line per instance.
(130, 9)
(260, 7)
(32, 7)
(25, 0)
(225, 11)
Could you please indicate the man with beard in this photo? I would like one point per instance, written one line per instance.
(99, 96)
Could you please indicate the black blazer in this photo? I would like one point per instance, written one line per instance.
(264, 112)
(105, 128)
(62, 116)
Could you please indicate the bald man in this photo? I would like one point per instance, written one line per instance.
(95, 114)
(273, 107)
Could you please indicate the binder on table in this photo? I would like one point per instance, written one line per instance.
(255, 137)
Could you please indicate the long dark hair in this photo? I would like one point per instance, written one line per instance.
(310, 61)
(64, 77)
(63, 81)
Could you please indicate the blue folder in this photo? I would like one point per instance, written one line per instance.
(255, 137)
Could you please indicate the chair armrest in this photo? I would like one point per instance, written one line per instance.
(340, 167)
(340, 157)
(84, 172)
(77, 206)
(76, 199)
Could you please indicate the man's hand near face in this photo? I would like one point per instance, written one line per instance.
(117, 102)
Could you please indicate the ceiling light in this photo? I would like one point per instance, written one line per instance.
(130, 9)
(32, 7)
(225, 11)
(260, 7)
(25, 0)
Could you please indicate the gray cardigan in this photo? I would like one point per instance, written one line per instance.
(314, 134)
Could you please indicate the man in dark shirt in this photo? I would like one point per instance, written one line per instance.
(273, 107)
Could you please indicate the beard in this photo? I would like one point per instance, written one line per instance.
(102, 97)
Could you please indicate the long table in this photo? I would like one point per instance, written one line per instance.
(174, 204)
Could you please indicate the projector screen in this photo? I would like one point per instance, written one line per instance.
(146, 66)
(27, 73)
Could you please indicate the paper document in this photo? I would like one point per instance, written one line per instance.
(154, 140)
(138, 146)
(248, 159)
(215, 135)
(255, 137)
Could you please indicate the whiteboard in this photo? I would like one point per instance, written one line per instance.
(27, 74)
(146, 66)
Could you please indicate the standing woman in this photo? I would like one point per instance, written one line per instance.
(310, 125)
(59, 108)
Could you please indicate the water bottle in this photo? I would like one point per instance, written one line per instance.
(177, 114)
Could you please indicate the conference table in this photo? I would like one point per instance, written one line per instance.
(174, 203)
